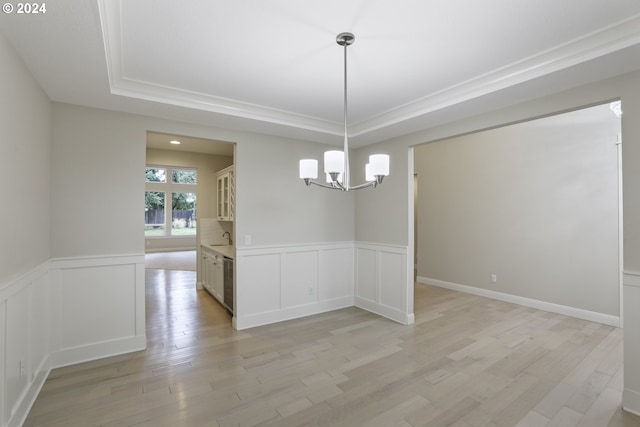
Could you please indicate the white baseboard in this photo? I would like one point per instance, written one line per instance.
(411, 319)
(99, 350)
(179, 249)
(631, 401)
(260, 319)
(29, 398)
(384, 311)
(591, 316)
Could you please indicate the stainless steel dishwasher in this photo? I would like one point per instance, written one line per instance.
(228, 283)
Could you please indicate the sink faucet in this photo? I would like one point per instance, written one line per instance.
(228, 236)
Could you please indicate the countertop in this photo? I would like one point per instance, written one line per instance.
(224, 250)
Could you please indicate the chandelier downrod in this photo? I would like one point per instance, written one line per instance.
(345, 39)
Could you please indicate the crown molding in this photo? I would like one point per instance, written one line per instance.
(618, 36)
(110, 18)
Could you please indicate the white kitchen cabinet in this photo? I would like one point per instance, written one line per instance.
(225, 194)
(213, 274)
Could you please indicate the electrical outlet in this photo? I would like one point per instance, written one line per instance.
(22, 367)
(247, 239)
(310, 290)
(494, 278)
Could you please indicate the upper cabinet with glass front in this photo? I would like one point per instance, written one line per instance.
(225, 194)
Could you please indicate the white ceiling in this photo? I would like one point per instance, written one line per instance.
(162, 141)
(274, 67)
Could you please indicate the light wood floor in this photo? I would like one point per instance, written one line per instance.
(466, 362)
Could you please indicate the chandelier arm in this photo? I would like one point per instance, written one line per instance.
(364, 185)
(344, 187)
(331, 186)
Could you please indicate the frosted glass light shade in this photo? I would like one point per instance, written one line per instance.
(333, 162)
(308, 168)
(379, 164)
(368, 176)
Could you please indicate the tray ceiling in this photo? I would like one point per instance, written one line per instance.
(274, 67)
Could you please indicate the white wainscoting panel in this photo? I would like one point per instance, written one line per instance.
(17, 348)
(24, 343)
(287, 282)
(381, 281)
(257, 284)
(631, 313)
(336, 281)
(39, 324)
(96, 304)
(366, 274)
(392, 267)
(63, 312)
(299, 279)
(100, 307)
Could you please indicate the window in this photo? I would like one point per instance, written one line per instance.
(183, 214)
(183, 176)
(156, 175)
(181, 189)
(154, 219)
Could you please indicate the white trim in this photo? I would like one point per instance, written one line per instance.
(28, 399)
(71, 356)
(15, 284)
(579, 313)
(631, 401)
(631, 279)
(55, 356)
(391, 313)
(247, 317)
(399, 314)
(168, 249)
(620, 229)
(381, 246)
(96, 261)
(605, 41)
(618, 36)
(411, 237)
(63, 357)
(110, 18)
(265, 318)
(279, 249)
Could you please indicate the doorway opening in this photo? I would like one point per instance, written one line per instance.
(528, 213)
(180, 196)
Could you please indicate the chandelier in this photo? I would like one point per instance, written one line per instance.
(336, 163)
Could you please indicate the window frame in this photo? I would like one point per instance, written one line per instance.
(168, 188)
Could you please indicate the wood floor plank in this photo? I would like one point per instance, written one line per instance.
(468, 361)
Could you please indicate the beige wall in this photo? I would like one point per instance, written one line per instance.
(383, 217)
(274, 206)
(25, 151)
(96, 182)
(534, 203)
(98, 157)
